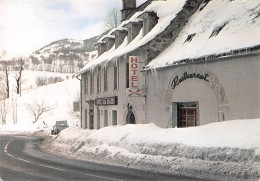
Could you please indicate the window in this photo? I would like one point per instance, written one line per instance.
(86, 84)
(105, 79)
(129, 36)
(105, 118)
(127, 75)
(145, 26)
(91, 84)
(217, 30)
(91, 119)
(204, 4)
(189, 37)
(86, 119)
(187, 114)
(115, 78)
(98, 119)
(114, 117)
(98, 81)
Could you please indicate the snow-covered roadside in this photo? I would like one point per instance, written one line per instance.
(224, 151)
(59, 97)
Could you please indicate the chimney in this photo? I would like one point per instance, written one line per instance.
(150, 19)
(133, 29)
(101, 47)
(120, 35)
(110, 41)
(128, 7)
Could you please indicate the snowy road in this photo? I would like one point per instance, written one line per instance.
(21, 159)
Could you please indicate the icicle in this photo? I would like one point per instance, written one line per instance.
(154, 73)
(155, 76)
(105, 66)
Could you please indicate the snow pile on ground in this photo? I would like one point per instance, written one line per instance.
(73, 138)
(59, 97)
(229, 149)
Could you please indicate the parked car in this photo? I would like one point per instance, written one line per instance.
(59, 125)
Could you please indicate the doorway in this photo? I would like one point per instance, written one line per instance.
(86, 119)
(130, 118)
(91, 119)
(186, 114)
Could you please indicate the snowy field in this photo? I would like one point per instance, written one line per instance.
(58, 97)
(227, 150)
(29, 78)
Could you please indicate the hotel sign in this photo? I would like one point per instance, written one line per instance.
(106, 101)
(134, 69)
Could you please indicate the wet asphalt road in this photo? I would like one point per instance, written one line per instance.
(22, 160)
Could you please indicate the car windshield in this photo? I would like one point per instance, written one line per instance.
(61, 123)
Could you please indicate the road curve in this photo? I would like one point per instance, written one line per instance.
(22, 160)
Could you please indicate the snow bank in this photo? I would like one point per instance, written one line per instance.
(72, 137)
(229, 149)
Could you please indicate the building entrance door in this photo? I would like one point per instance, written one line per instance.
(91, 119)
(187, 114)
(130, 118)
(186, 117)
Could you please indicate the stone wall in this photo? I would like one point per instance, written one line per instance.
(164, 39)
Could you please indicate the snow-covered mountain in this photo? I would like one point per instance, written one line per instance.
(67, 55)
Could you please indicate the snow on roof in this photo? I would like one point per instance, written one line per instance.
(109, 36)
(136, 20)
(102, 40)
(222, 26)
(165, 10)
(118, 29)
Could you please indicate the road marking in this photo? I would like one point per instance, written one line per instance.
(6, 146)
(52, 167)
(90, 175)
(102, 177)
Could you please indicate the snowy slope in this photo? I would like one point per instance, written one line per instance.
(227, 150)
(29, 78)
(58, 96)
(66, 52)
(62, 53)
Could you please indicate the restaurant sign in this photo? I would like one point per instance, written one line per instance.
(106, 101)
(134, 69)
(177, 80)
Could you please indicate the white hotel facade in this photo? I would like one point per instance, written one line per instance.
(169, 63)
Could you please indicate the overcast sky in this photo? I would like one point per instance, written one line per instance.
(27, 25)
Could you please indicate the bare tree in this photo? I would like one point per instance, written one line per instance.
(4, 88)
(3, 102)
(37, 109)
(74, 110)
(18, 76)
(3, 110)
(6, 72)
(113, 19)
